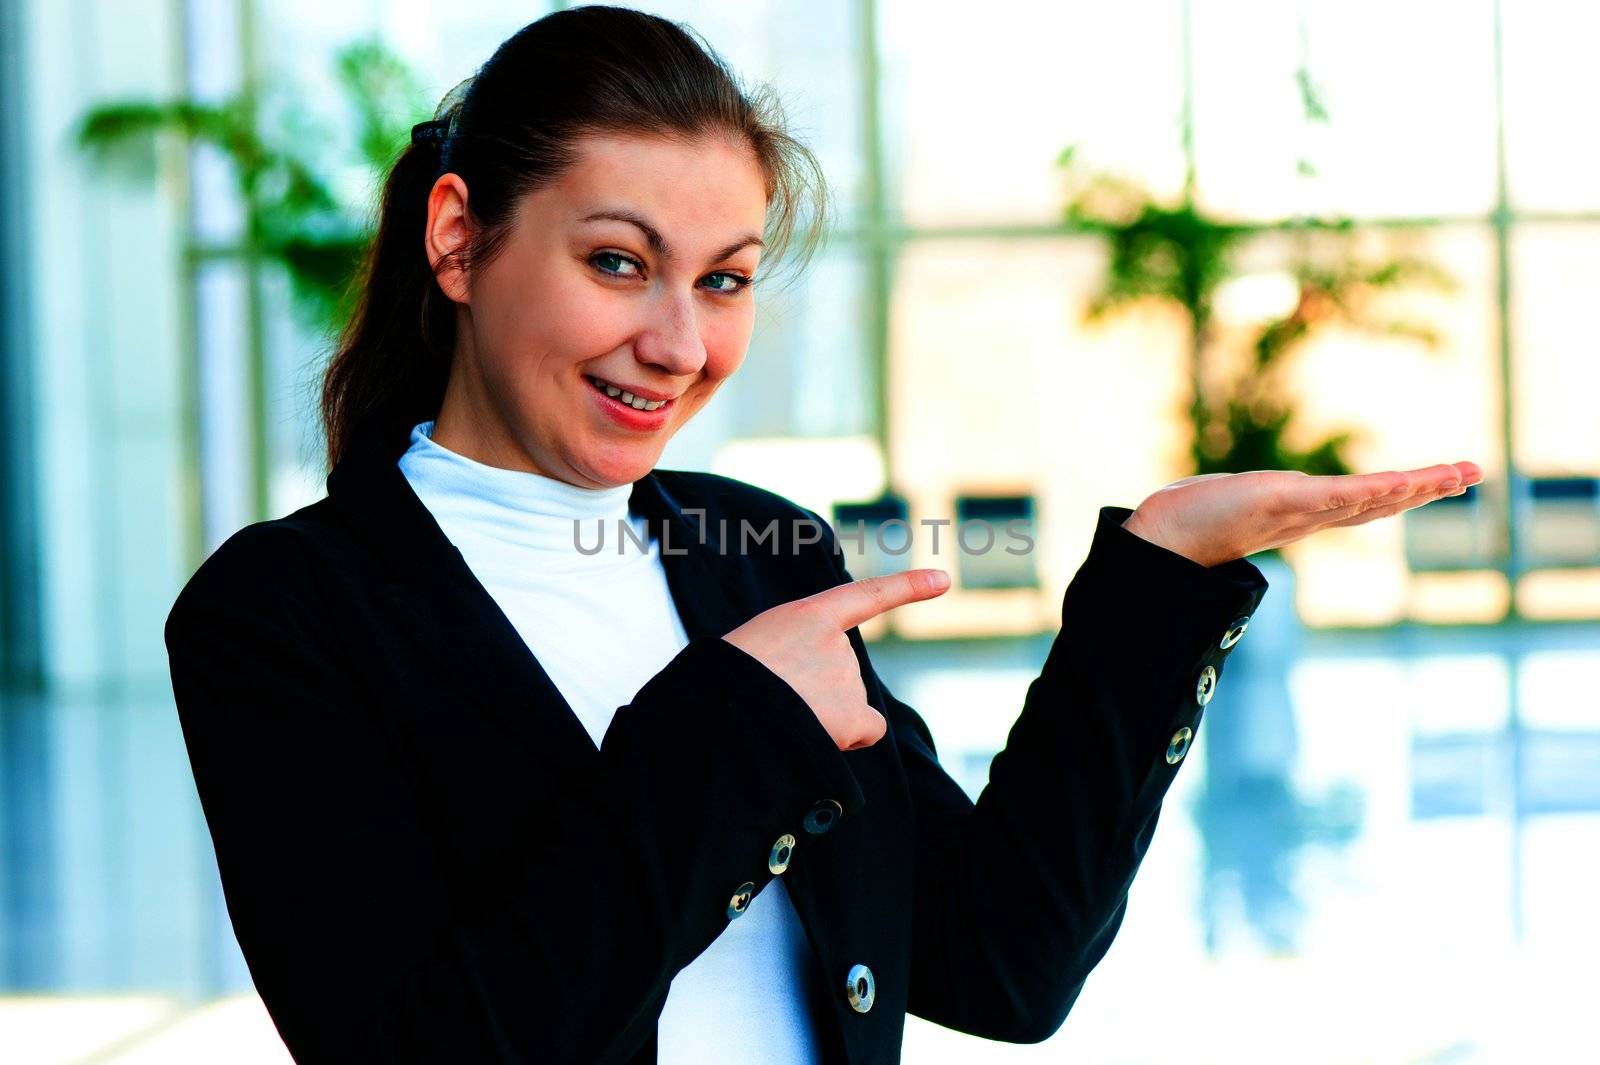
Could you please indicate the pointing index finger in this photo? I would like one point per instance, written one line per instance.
(861, 600)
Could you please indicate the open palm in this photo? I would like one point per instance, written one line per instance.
(1217, 517)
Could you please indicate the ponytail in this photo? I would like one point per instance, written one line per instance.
(393, 356)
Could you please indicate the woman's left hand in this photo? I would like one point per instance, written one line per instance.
(1217, 517)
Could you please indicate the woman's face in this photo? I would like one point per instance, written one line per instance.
(630, 272)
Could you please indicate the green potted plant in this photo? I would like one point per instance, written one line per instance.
(1242, 409)
(303, 186)
(1179, 254)
(1252, 816)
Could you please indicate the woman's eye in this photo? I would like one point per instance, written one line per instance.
(738, 282)
(606, 261)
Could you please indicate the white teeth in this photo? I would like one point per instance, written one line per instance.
(636, 402)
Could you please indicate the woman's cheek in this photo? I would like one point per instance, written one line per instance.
(726, 348)
(591, 324)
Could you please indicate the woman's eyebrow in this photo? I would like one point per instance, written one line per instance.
(653, 237)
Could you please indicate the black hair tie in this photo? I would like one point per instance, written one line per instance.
(433, 132)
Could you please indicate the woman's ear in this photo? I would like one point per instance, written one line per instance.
(447, 233)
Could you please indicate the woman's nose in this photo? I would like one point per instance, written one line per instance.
(671, 338)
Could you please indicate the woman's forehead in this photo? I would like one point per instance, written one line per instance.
(710, 180)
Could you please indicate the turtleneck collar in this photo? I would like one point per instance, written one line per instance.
(515, 507)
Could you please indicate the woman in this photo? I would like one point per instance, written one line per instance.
(480, 796)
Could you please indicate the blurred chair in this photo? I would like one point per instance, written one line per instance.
(992, 557)
(1456, 532)
(882, 543)
(1562, 522)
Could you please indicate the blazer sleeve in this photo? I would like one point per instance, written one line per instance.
(1019, 895)
(333, 884)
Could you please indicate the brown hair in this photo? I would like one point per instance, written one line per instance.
(512, 129)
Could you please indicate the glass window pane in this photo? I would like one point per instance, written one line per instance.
(807, 372)
(1411, 405)
(1555, 269)
(998, 385)
(444, 42)
(449, 39)
(1408, 89)
(1551, 80)
(817, 333)
(976, 110)
(216, 214)
(1555, 272)
(223, 348)
(295, 355)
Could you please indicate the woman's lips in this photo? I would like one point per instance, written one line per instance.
(627, 416)
(634, 391)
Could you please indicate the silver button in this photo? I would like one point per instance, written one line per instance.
(1207, 686)
(1235, 631)
(1179, 746)
(860, 988)
(821, 817)
(741, 899)
(778, 860)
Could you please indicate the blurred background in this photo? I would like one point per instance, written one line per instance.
(1080, 251)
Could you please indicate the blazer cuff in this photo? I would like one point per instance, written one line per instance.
(1146, 573)
(756, 702)
(1164, 625)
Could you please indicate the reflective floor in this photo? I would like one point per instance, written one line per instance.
(1383, 847)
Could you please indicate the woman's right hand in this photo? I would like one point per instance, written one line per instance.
(805, 643)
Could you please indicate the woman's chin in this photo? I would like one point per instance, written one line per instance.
(624, 465)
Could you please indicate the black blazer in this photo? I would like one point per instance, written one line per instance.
(426, 859)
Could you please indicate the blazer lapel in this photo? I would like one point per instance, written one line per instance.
(710, 597)
(435, 594)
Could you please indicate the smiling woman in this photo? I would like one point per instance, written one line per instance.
(478, 795)
(611, 233)
(644, 306)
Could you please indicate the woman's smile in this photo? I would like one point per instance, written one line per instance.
(631, 409)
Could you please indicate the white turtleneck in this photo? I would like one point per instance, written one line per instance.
(743, 998)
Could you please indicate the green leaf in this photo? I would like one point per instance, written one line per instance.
(283, 155)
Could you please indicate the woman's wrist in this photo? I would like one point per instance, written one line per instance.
(1142, 530)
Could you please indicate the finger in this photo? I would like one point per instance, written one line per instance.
(1318, 495)
(1423, 485)
(853, 603)
(1411, 502)
(1396, 497)
(1350, 494)
(880, 727)
(1445, 476)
